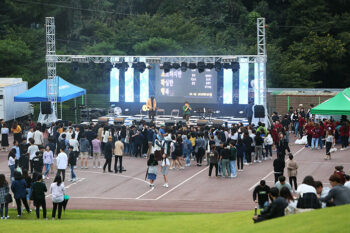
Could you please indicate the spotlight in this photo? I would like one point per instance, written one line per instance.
(209, 66)
(192, 66)
(235, 66)
(183, 66)
(118, 65)
(218, 66)
(124, 66)
(227, 66)
(141, 66)
(166, 67)
(201, 67)
(176, 66)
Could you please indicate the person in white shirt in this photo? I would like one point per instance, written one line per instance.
(308, 186)
(32, 149)
(347, 183)
(62, 162)
(38, 137)
(165, 169)
(57, 191)
(30, 134)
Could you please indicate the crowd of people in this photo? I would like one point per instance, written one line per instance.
(281, 199)
(45, 151)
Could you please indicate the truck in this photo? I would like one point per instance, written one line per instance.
(9, 109)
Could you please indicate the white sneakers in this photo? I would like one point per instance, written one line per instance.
(166, 185)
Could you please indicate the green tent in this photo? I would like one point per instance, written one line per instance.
(338, 105)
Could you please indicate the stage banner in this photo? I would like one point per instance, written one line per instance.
(228, 86)
(129, 84)
(243, 81)
(114, 85)
(144, 83)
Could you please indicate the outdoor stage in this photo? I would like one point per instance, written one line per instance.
(190, 190)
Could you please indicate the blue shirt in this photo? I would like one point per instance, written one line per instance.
(161, 132)
(18, 154)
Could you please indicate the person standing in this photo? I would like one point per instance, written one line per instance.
(268, 142)
(233, 158)
(4, 191)
(152, 164)
(240, 147)
(32, 149)
(165, 169)
(57, 190)
(292, 168)
(330, 140)
(278, 167)
(262, 192)
(18, 188)
(38, 137)
(152, 106)
(213, 160)
(118, 155)
(48, 160)
(249, 112)
(38, 194)
(150, 140)
(258, 147)
(72, 161)
(11, 163)
(225, 162)
(108, 151)
(62, 161)
(186, 111)
(17, 131)
(84, 151)
(4, 137)
(96, 149)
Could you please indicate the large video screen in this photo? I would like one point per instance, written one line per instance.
(177, 86)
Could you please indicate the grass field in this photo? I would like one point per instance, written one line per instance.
(335, 219)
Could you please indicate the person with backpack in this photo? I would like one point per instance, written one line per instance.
(233, 158)
(38, 194)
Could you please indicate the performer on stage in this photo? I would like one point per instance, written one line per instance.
(151, 105)
(186, 111)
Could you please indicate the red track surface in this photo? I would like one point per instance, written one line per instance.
(189, 190)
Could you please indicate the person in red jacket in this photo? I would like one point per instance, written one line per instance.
(344, 135)
(302, 122)
(316, 134)
(309, 128)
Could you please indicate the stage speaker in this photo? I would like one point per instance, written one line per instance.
(46, 108)
(169, 123)
(259, 111)
(202, 122)
(118, 120)
(103, 119)
(217, 123)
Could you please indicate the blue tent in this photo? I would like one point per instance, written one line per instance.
(37, 93)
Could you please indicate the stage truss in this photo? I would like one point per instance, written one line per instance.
(52, 59)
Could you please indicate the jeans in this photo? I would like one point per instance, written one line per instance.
(72, 172)
(47, 168)
(6, 206)
(131, 148)
(60, 205)
(233, 167)
(264, 205)
(126, 148)
(296, 126)
(268, 149)
(187, 154)
(225, 167)
(12, 170)
(314, 143)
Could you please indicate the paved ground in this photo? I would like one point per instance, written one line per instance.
(189, 190)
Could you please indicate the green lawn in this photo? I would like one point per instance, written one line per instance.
(335, 219)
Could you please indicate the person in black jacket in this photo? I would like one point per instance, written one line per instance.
(282, 146)
(247, 141)
(275, 209)
(72, 161)
(278, 167)
(108, 151)
(38, 194)
(38, 163)
(262, 192)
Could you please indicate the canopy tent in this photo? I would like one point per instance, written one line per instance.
(66, 91)
(338, 105)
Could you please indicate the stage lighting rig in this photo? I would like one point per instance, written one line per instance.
(176, 66)
(108, 66)
(209, 66)
(192, 66)
(75, 66)
(201, 67)
(166, 67)
(218, 66)
(227, 66)
(235, 66)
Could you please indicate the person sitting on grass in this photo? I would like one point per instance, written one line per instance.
(275, 209)
(339, 193)
(283, 183)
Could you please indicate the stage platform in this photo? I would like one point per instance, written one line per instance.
(174, 120)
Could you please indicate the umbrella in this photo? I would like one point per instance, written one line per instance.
(65, 201)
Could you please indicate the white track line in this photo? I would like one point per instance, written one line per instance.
(113, 198)
(145, 193)
(270, 173)
(113, 174)
(182, 183)
(70, 185)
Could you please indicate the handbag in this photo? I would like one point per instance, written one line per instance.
(8, 198)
